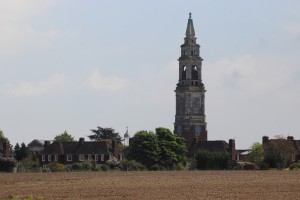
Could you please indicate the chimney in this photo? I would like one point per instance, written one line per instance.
(115, 149)
(46, 143)
(81, 140)
(232, 149)
(6, 149)
(265, 140)
(290, 138)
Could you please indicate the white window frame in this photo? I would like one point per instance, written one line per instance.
(89, 157)
(55, 157)
(81, 157)
(44, 166)
(102, 157)
(68, 157)
(43, 157)
(121, 156)
(96, 157)
(49, 157)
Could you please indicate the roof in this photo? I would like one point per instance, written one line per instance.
(35, 142)
(190, 31)
(97, 147)
(216, 146)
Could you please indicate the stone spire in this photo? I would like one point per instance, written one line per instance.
(190, 32)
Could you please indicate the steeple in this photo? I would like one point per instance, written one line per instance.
(190, 32)
(190, 122)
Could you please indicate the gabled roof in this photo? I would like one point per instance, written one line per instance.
(59, 148)
(217, 146)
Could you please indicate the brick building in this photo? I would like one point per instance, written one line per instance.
(68, 153)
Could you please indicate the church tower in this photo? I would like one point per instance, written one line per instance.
(190, 120)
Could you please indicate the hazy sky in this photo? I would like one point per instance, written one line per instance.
(77, 64)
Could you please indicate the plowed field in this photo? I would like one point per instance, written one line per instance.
(154, 185)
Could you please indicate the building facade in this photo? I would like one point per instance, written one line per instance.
(68, 153)
(190, 119)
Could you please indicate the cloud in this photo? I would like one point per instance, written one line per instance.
(249, 74)
(110, 83)
(16, 29)
(31, 89)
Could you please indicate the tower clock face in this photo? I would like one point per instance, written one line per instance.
(197, 130)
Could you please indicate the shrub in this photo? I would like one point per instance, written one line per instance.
(56, 167)
(76, 167)
(211, 160)
(6, 165)
(28, 165)
(238, 167)
(295, 166)
(132, 165)
(104, 168)
(191, 164)
(179, 167)
(87, 166)
(157, 167)
(250, 166)
(263, 166)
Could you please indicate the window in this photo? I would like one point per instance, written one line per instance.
(44, 166)
(96, 157)
(184, 73)
(56, 158)
(195, 72)
(89, 157)
(49, 157)
(110, 156)
(81, 157)
(69, 157)
(43, 157)
(102, 157)
(121, 156)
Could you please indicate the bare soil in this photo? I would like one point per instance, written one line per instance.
(154, 185)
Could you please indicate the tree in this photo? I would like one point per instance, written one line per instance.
(144, 148)
(162, 149)
(256, 154)
(172, 148)
(2, 137)
(64, 137)
(207, 160)
(23, 152)
(278, 151)
(17, 151)
(105, 134)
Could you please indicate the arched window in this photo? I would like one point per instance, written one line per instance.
(195, 73)
(184, 73)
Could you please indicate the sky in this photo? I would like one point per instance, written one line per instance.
(75, 64)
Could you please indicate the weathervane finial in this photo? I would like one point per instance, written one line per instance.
(190, 15)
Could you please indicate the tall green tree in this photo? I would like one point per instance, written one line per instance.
(17, 151)
(105, 134)
(21, 152)
(278, 151)
(64, 137)
(256, 154)
(172, 148)
(162, 148)
(144, 148)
